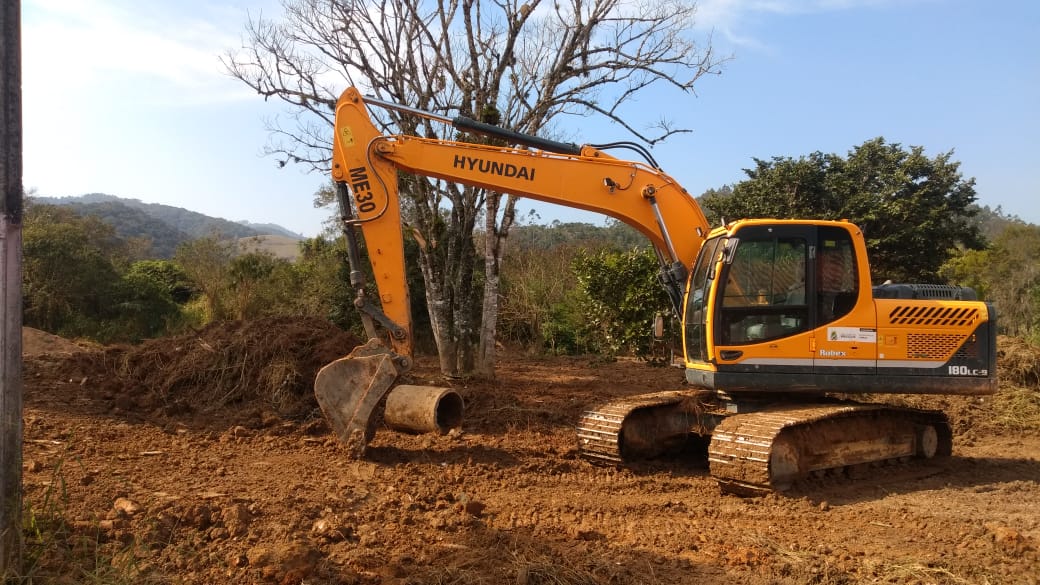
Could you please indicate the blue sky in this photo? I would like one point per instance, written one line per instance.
(129, 98)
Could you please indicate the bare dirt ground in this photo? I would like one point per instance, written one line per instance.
(203, 459)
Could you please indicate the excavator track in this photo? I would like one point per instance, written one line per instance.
(767, 450)
(772, 449)
(644, 426)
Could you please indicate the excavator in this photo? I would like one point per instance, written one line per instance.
(780, 321)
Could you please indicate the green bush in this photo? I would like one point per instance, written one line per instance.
(622, 297)
(1006, 273)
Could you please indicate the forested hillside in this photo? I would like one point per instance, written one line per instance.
(545, 237)
(166, 226)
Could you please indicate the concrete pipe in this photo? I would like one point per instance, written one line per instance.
(423, 409)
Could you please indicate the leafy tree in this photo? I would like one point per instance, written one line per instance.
(324, 275)
(522, 65)
(167, 275)
(325, 279)
(74, 280)
(541, 303)
(259, 284)
(206, 261)
(1008, 274)
(68, 267)
(248, 285)
(538, 297)
(912, 209)
(624, 296)
(141, 308)
(548, 237)
(993, 222)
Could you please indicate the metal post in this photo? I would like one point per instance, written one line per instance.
(10, 290)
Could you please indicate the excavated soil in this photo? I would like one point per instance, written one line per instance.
(203, 459)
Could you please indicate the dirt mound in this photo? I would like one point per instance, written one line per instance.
(272, 361)
(36, 342)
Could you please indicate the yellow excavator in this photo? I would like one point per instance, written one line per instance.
(780, 319)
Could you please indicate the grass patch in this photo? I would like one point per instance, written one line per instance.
(1016, 408)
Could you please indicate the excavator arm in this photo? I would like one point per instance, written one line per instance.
(365, 167)
(585, 178)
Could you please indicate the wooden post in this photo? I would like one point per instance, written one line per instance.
(10, 290)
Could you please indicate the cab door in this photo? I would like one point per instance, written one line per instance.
(845, 334)
(764, 325)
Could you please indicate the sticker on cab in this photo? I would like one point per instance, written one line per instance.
(852, 334)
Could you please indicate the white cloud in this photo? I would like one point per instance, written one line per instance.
(733, 18)
(79, 44)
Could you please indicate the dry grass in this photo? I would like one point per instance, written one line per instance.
(537, 569)
(1019, 361)
(778, 551)
(914, 572)
(1016, 406)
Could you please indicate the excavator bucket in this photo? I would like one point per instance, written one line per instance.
(349, 389)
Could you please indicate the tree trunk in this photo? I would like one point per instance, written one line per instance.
(438, 307)
(464, 295)
(494, 250)
(447, 259)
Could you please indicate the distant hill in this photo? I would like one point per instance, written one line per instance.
(166, 226)
(270, 229)
(992, 222)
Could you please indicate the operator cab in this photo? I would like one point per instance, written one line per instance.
(773, 283)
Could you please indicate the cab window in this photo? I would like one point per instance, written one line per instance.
(836, 280)
(764, 295)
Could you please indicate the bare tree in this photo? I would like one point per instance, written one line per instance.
(522, 65)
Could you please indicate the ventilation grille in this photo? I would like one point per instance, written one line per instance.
(921, 346)
(970, 349)
(933, 316)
